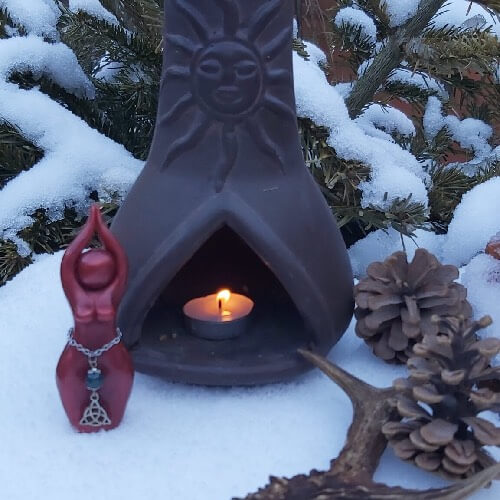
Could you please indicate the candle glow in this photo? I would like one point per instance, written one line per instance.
(222, 299)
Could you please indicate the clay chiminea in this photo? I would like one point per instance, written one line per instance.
(225, 201)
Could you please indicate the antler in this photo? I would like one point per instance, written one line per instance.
(351, 473)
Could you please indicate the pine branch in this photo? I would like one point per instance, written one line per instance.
(390, 57)
(446, 51)
(449, 184)
(92, 38)
(350, 38)
(11, 263)
(140, 16)
(492, 6)
(408, 92)
(16, 153)
(7, 24)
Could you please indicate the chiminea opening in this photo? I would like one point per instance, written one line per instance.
(225, 200)
(275, 328)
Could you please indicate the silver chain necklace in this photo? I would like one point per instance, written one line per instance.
(94, 415)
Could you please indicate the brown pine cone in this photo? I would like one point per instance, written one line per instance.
(396, 301)
(439, 428)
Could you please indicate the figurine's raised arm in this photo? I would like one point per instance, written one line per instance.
(111, 244)
(69, 272)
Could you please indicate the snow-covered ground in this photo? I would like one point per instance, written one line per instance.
(176, 441)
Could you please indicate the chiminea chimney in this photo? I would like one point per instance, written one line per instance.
(225, 201)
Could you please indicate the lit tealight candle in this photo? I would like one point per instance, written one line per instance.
(218, 316)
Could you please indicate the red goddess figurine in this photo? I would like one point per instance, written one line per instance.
(95, 372)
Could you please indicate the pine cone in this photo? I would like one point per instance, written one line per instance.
(396, 301)
(438, 428)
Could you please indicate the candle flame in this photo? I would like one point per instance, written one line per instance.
(224, 296)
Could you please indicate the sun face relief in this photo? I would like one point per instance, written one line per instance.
(230, 81)
(228, 78)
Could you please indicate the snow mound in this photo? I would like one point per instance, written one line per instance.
(400, 10)
(458, 12)
(94, 8)
(38, 17)
(54, 60)
(377, 246)
(481, 277)
(182, 441)
(470, 133)
(359, 19)
(475, 222)
(387, 118)
(420, 80)
(70, 169)
(395, 172)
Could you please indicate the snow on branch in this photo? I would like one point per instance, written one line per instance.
(37, 17)
(93, 8)
(387, 118)
(358, 18)
(54, 60)
(470, 133)
(77, 159)
(474, 223)
(400, 10)
(396, 174)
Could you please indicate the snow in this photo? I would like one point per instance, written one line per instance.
(378, 245)
(420, 80)
(316, 55)
(358, 18)
(470, 133)
(433, 118)
(400, 10)
(38, 17)
(54, 60)
(410, 77)
(70, 169)
(482, 279)
(456, 13)
(387, 118)
(189, 443)
(394, 170)
(94, 8)
(474, 223)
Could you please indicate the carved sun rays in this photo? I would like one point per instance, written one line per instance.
(205, 117)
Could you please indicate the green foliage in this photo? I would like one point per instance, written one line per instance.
(349, 38)
(124, 64)
(339, 182)
(7, 24)
(16, 153)
(142, 16)
(125, 105)
(376, 9)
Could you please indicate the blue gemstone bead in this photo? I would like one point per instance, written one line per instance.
(94, 379)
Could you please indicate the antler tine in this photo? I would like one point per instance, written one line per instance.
(356, 389)
(322, 486)
(459, 490)
(373, 407)
(351, 473)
